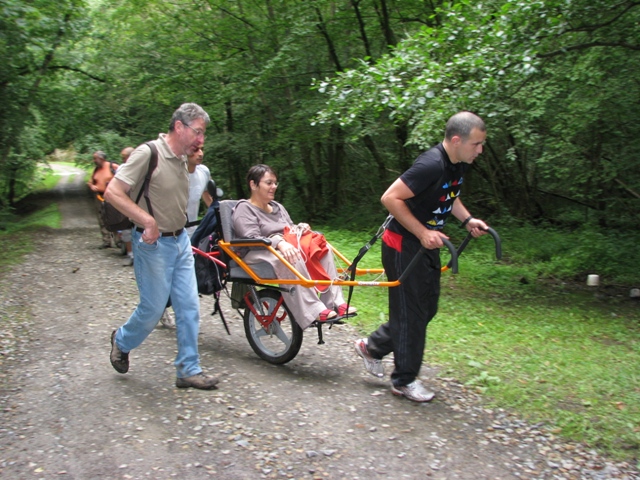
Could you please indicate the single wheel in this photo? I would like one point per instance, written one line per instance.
(278, 342)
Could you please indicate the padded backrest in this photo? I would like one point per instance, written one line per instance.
(237, 273)
(226, 208)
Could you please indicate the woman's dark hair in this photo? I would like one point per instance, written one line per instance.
(257, 172)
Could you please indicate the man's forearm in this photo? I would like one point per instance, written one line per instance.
(207, 199)
(117, 195)
(459, 211)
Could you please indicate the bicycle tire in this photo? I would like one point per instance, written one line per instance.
(280, 341)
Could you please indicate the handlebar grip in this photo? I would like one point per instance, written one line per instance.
(453, 263)
(496, 239)
(211, 189)
(467, 239)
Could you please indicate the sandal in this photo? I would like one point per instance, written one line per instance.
(326, 315)
(342, 310)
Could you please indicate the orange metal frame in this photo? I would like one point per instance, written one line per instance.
(229, 249)
(301, 279)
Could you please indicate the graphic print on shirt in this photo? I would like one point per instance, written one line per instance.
(450, 191)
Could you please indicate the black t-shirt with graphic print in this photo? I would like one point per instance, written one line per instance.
(435, 183)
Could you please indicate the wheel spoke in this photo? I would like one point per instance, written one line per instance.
(281, 334)
(260, 331)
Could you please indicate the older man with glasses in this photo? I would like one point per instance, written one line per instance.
(164, 263)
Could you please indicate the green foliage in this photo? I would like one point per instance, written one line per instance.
(35, 42)
(21, 163)
(15, 233)
(546, 77)
(108, 141)
(47, 179)
(552, 253)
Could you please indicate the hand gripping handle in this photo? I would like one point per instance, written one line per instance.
(422, 251)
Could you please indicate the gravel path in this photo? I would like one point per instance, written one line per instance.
(67, 414)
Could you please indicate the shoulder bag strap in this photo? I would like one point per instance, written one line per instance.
(153, 163)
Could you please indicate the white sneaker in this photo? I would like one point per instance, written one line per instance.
(167, 319)
(372, 365)
(414, 391)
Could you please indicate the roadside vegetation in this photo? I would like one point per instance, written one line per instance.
(16, 234)
(16, 229)
(49, 177)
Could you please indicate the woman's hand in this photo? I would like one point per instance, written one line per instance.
(304, 228)
(289, 252)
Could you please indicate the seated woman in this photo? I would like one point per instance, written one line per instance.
(259, 217)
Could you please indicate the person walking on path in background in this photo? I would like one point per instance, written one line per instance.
(164, 265)
(420, 201)
(101, 176)
(199, 176)
(125, 235)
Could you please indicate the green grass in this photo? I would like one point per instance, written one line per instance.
(49, 180)
(564, 359)
(529, 338)
(46, 178)
(15, 236)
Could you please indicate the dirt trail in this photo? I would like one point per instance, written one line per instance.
(67, 414)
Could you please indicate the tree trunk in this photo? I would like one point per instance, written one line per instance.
(382, 168)
(385, 23)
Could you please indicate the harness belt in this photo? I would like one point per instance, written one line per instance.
(350, 272)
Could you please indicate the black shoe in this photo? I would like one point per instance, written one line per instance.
(200, 381)
(104, 245)
(119, 360)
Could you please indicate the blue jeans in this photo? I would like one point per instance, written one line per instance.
(165, 269)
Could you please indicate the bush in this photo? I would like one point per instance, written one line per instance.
(573, 255)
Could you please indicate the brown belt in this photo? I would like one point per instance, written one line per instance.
(164, 234)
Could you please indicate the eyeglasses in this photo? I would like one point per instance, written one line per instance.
(198, 132)
(270, 183)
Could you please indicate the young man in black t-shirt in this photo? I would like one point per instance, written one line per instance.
(421, 200)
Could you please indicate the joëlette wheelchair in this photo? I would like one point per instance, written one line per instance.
(272, 332)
